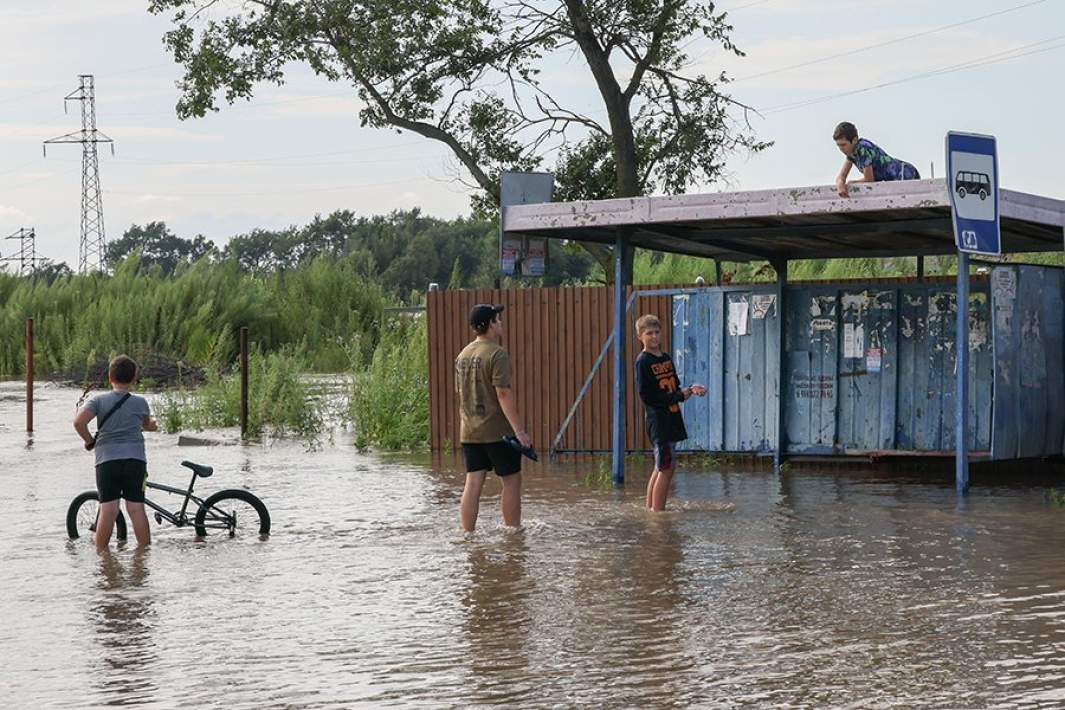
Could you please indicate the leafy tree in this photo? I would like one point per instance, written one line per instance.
(51, 271)
(471, 74)
(158, 246)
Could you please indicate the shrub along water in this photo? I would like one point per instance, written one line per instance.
(193, 315)
(390, 398)
(278, 402)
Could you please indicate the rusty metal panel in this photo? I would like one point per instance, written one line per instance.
(812, 352)
(867, 369)
(1029, 417)
(727, 340)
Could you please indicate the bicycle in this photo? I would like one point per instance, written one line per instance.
(219, 511)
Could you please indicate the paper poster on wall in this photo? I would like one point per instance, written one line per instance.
(853, 340)
(510, 256)
(761, 303)
(737, 317)
(873, 358)
(535, 261)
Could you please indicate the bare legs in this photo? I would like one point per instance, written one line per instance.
(658, 488)
(471, 500)
(105, 523)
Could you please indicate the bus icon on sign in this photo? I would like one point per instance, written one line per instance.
(970, 183)
(968, 238)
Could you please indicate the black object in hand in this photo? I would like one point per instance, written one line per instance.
(528, 451)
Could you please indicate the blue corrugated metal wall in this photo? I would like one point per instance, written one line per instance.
(726, 338)
(871, 368)
(1029, 417)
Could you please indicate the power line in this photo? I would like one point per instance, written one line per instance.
(276, 192)
(896, 40)
(995, 58)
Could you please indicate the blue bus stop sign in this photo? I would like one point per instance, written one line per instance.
(972, 181)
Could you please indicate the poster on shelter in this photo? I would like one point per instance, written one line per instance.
(761, 304)
(737, 317)
(853, 340)
(535, 261)
(873, 359)
(510, 256)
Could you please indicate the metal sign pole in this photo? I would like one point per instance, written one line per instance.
(961, 399)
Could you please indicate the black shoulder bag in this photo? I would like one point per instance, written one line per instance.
(107, 416)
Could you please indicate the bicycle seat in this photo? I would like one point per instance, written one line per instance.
(201, 471)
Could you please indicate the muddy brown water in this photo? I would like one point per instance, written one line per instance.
(817, 590)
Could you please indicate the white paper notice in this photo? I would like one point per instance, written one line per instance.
(737, 317)
(853, 340)
(760, 305)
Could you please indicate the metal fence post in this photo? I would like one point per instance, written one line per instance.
(243, 381)
(29, 374)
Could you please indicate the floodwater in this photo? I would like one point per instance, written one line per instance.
(817, 590)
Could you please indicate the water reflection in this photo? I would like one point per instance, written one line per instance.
(496, 618)
(123, 619)
(818, 590)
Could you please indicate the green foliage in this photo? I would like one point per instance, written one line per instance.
(601, 476)
(158, 246)
(480, 77)
(278, 402)
(390, 400)
(1055, 496)
(192, 315)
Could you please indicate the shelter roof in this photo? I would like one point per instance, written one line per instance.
(905, 218)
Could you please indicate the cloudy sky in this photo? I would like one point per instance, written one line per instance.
(905, 71)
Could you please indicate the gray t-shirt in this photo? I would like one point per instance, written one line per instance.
(122, 436)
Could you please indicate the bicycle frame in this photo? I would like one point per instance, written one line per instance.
(179, 518)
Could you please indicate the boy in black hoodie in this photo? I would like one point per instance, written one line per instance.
(659, 388)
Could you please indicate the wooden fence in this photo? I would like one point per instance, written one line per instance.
(554, 336)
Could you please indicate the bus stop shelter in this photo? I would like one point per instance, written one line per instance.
(889, 219)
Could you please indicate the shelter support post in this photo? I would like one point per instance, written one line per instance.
(717, 272)
(618, 439)
(961, 399)
(920, 268)
(29, 375)
(781, 268)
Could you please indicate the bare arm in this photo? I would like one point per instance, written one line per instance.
(509, 404)
(841, 179)
(81, 425)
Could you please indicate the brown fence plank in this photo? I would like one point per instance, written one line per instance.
(554, 336)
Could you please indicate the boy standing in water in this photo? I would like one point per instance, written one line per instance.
(869, 158)
(659, 388)
(488, 412)
(121, 462)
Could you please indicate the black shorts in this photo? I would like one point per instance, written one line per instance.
(122, 478)
(664, 455)
(495, 456)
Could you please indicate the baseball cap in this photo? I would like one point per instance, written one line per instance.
(483, 313)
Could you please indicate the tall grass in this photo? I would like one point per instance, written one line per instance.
(319, 310)
(655, 268)
(278, 402)
(390, 399)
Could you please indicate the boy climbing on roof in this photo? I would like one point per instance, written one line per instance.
(869, 158)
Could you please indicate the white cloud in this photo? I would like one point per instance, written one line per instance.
(151, 198)
(13, 214)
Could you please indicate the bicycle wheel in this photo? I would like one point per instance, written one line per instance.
(235, 512)
(81, 517)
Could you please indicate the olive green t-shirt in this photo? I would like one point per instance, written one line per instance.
(479, 369)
